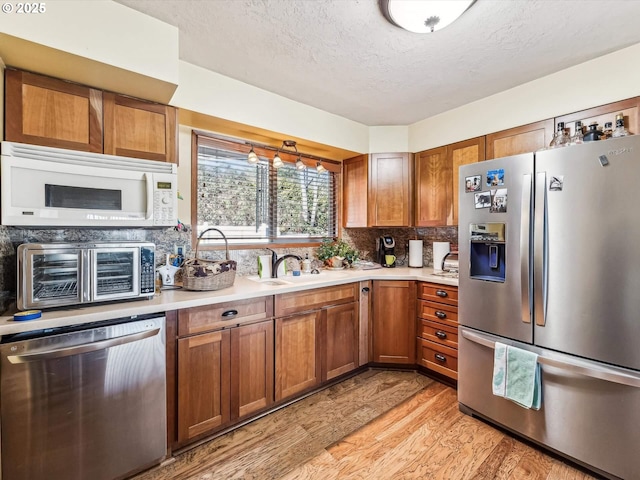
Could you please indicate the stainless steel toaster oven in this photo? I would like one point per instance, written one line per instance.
(60, 274)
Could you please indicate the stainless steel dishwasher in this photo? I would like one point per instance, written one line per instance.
(83, 404)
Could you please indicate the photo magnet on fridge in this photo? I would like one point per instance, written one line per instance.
(498, 201)
(495, 177)
(483, 199)
(472, 184)
(556, 183)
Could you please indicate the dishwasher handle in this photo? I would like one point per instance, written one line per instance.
(84, 348)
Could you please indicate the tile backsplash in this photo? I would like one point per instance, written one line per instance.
(11, 237)
(363, 239)
(164, 239)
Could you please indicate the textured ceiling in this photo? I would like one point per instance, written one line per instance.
(343, 57)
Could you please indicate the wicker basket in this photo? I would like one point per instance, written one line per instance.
(201, 274)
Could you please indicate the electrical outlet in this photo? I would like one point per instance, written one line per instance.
(178, 250)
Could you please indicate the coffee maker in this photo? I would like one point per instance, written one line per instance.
(385, 248)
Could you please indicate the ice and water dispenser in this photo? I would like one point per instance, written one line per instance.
(487, 252)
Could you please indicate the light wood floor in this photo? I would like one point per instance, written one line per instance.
(377, 425)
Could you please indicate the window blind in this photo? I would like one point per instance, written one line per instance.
(256, 203)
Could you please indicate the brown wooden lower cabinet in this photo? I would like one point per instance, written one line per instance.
(252, 369)
(394, 309)
(297, 350)
(224, 365)
(203, 384)
(230, 370)
(340, 339)
(224, 376)
(437, 328)
(231, 373)
(438, 358)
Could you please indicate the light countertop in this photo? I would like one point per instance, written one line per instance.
(242, 288)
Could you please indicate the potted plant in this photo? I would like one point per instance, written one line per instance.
(335, 253)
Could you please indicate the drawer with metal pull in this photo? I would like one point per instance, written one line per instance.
(440, 313)
(438, 333)
(438, 293)
(438, 358)
(223, 315)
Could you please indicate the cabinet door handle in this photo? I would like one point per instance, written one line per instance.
(442, 293)
(440, 358)
(230, 313)
(441, 335)
(440, 315)
(365, 290)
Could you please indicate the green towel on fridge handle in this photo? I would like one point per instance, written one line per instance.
(517, 376)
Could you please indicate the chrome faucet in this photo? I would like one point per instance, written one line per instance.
(276, 264)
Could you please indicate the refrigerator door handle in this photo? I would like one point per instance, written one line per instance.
(525, 229)
(588, 369)
(540, 246)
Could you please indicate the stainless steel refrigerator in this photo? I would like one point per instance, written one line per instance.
(549, 250)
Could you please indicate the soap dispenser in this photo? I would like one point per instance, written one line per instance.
(306, 264)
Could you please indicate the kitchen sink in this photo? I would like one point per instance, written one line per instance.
(293, 280)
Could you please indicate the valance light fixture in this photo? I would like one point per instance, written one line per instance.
(277, 162)
(423, 16)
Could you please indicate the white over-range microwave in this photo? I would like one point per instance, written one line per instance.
(46, 186)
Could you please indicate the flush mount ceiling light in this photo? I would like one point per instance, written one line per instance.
(252, 157)
(423, 16)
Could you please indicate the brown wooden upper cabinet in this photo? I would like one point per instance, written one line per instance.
(390, 190)
(433, 187)
(355, 173)
(523, 139)
(139, 129)
(378, 191)
(606, 113)
(48, 111)
(437, 181)
(462, 153)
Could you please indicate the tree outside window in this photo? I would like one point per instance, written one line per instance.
(258, 204)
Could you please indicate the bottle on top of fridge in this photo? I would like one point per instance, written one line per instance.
(577, 137)
(608, 130)
(560, 138)
(620, 131)
(593, 133)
